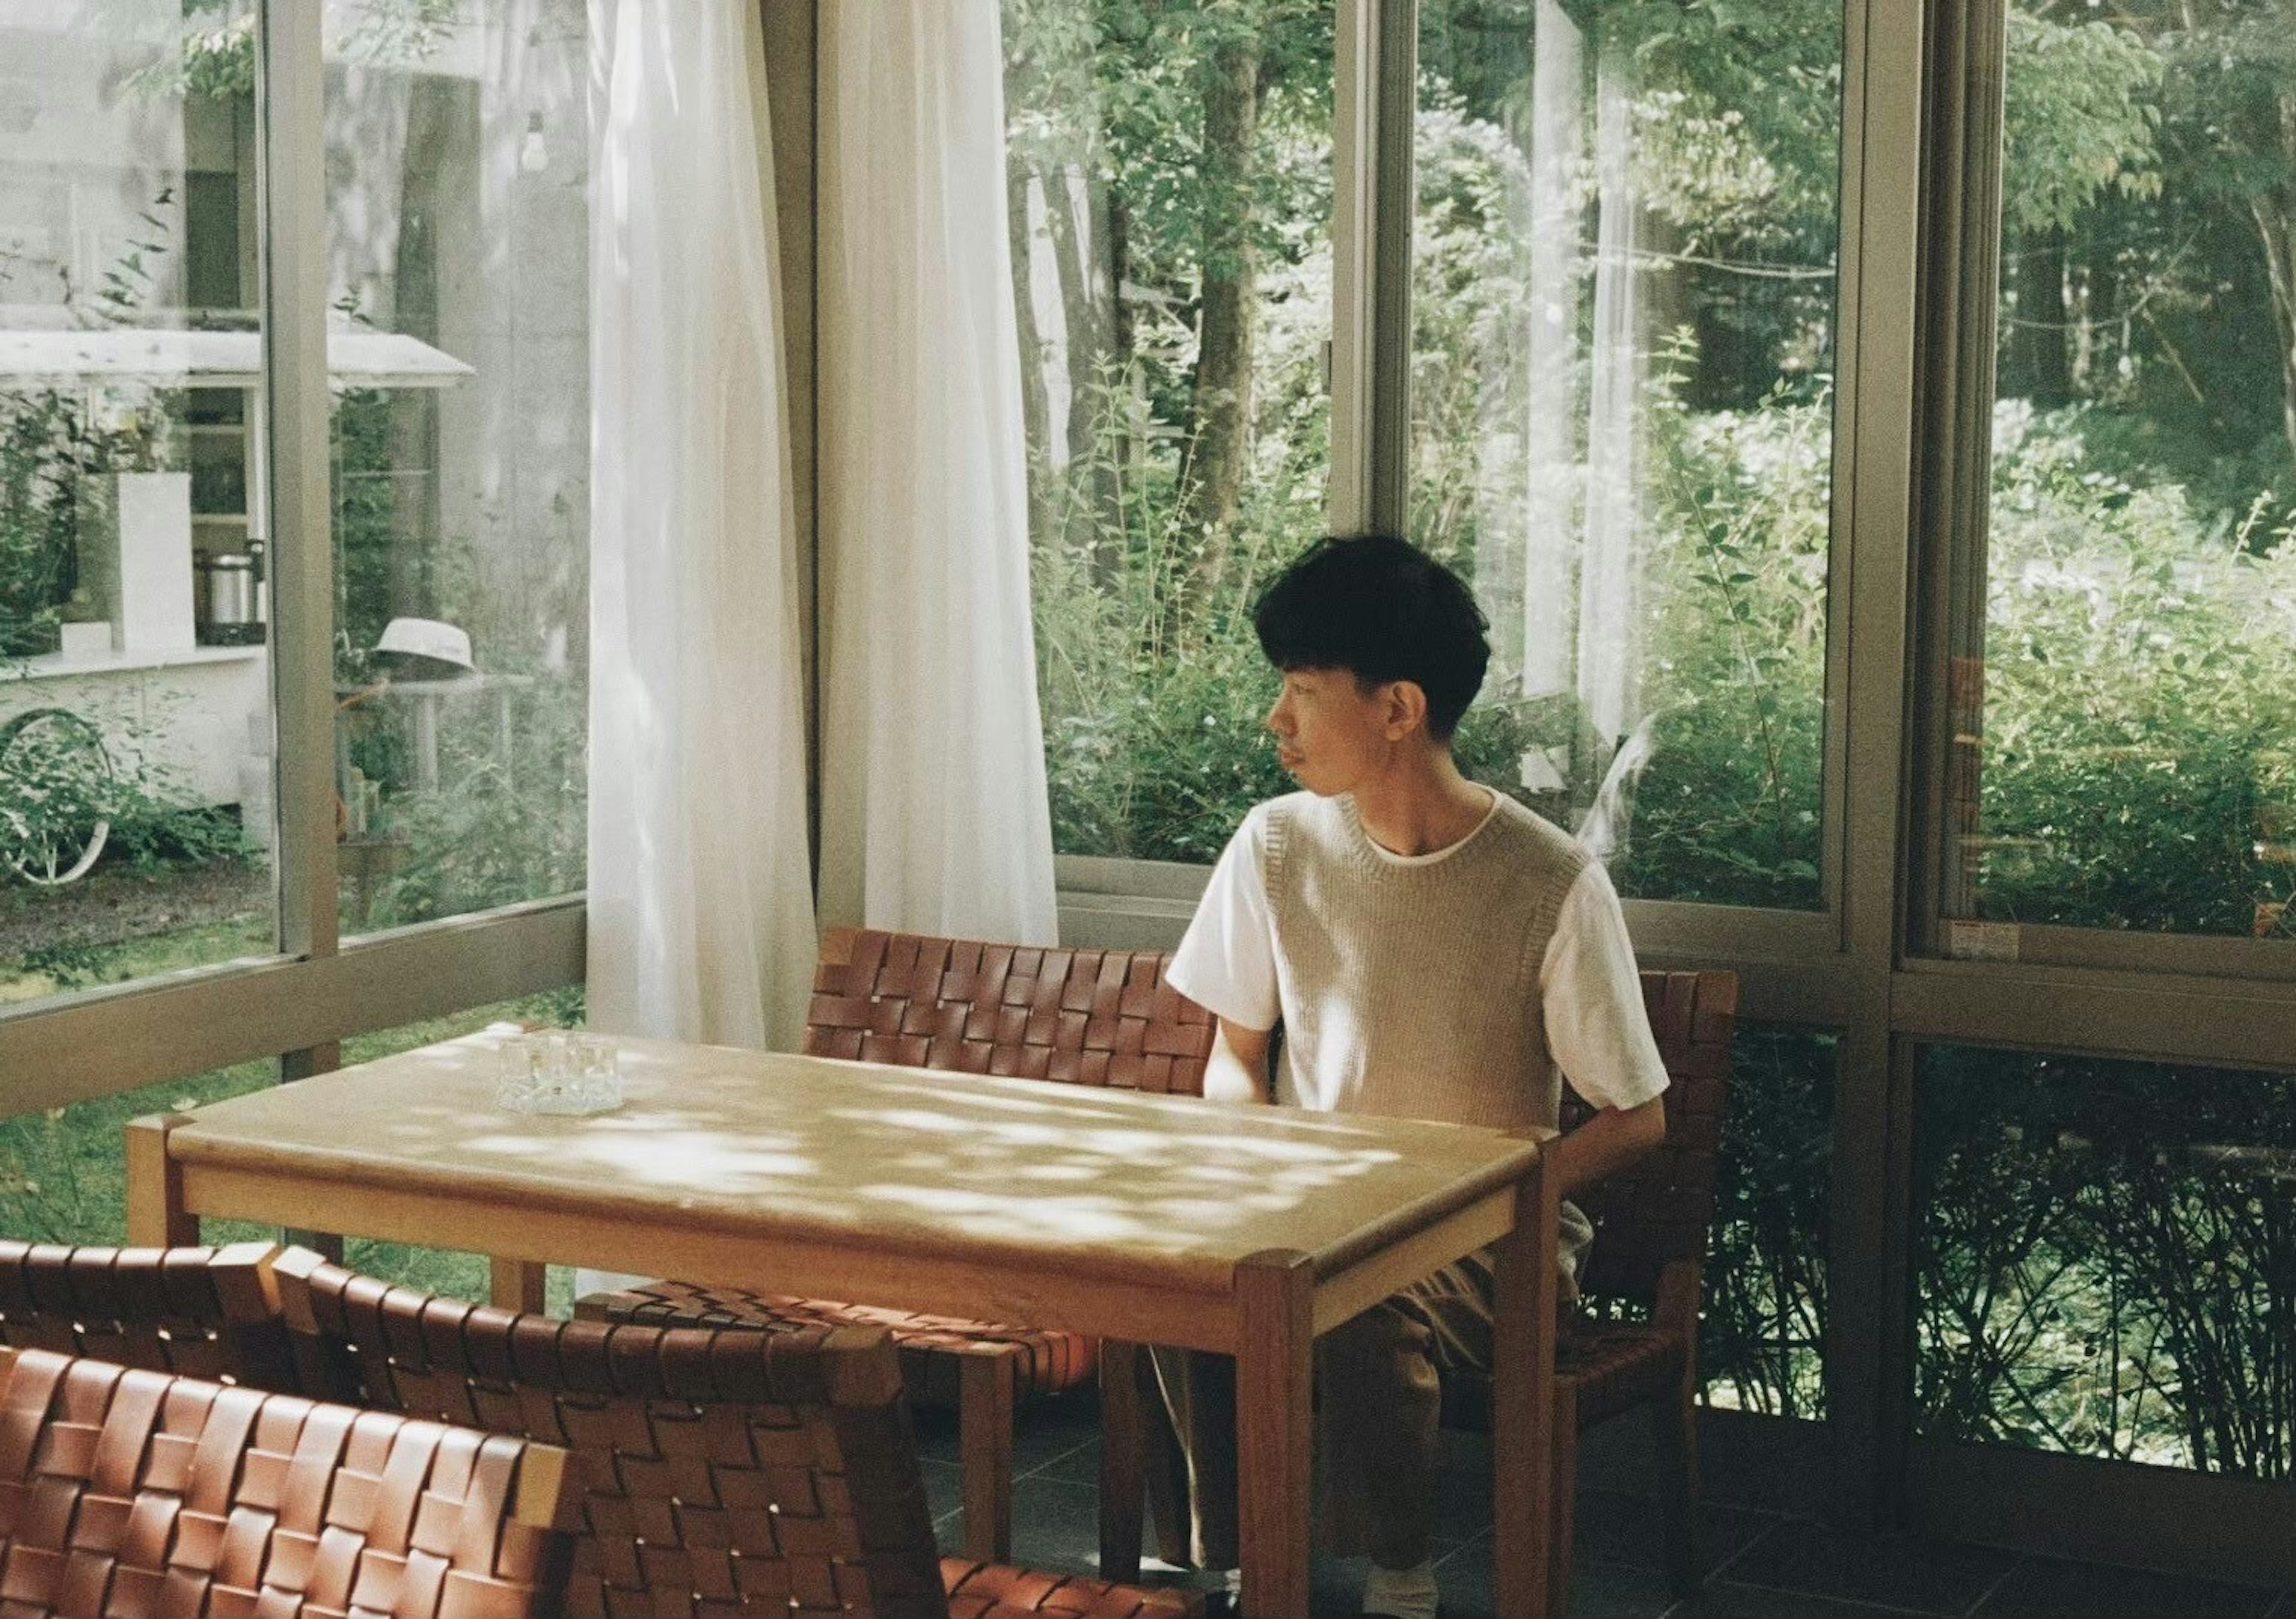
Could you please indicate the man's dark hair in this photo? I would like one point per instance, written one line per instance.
(1383, 610)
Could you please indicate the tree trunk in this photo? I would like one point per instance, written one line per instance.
(1219, 427)
(2274, 212)
(435, 102)
(2036, 365)
(1073, 207)
(2276, 224)
(1127, 450)
(1035, 405)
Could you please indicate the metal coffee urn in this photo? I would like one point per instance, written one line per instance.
(231, 598)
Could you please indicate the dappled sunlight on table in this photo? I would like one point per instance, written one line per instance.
(748, 1134)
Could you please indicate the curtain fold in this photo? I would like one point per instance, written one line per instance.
(933, 813)
(700, 909)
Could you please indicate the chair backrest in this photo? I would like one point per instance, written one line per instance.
(1080, 1017)
(1657, 1213)
(200, 1312)
(731, 1471)
(129, 1491)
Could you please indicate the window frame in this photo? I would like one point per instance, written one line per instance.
(1866, 965)
(317, 987)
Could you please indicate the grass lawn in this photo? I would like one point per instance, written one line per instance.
(63, 1177)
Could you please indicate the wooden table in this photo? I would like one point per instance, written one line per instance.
(1153, 1219)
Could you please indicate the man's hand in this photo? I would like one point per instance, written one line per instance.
(1609, 1141)
(1237, 1069)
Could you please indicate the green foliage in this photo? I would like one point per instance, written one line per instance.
(214, 59)
(2083, 114)
(2107, 1259)
(2141, 698)
(1728, 812)
(70, 963)
(507, 821)
(51, 444)
(63, 1175)
(1762, 1338)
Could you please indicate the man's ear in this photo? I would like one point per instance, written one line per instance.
(1405, 708)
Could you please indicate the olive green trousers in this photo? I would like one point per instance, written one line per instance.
(1379, 1404)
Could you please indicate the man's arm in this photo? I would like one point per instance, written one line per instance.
(1608, 1142)
(1237, 1069)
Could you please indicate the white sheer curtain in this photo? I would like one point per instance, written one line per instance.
(933, 810)
(701, 906)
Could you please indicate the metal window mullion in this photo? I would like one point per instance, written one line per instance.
(291, 181)
(1882, 126)
(1961, 228)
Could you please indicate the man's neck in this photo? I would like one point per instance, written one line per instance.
(1420, 805)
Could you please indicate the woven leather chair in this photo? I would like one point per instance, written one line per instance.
(718, 1472)
(202, 1312)
(1075, 1017)
(133, 1493)
(1649, 1254)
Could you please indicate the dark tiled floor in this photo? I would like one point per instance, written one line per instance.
(1767, 1565)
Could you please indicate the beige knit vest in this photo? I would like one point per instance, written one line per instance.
(1412, 990)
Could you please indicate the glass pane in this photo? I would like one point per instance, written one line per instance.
(458, 209)
(1622, 368)
(2122, 714)
(136, 737)
(1170, 188)
(2107, 1259)
(63, 1177)
(1762, 1337)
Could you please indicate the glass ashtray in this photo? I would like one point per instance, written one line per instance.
(559, 1072)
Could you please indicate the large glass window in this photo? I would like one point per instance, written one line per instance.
(1170, 194)
(457, 153)
(1622, 362)
(2106, 1259)
(135, 738)
(1762, 1336)
(2123, 712)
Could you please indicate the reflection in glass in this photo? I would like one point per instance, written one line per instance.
(457, 200)
(2106, 1259)
(1622, 365)
(135, 733)
(1169, 177)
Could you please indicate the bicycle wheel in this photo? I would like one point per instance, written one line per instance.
(56, 786)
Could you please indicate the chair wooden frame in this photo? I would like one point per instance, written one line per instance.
(1651, 1231)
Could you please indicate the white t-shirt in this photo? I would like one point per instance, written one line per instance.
(1589, 986)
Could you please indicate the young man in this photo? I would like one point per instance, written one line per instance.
(1432, 950)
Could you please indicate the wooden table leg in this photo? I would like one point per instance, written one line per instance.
(156, 1216)
(1123, 1459)
(1523, 1395)
(1274, 1370)
(984, 1413)
(515, 1284)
